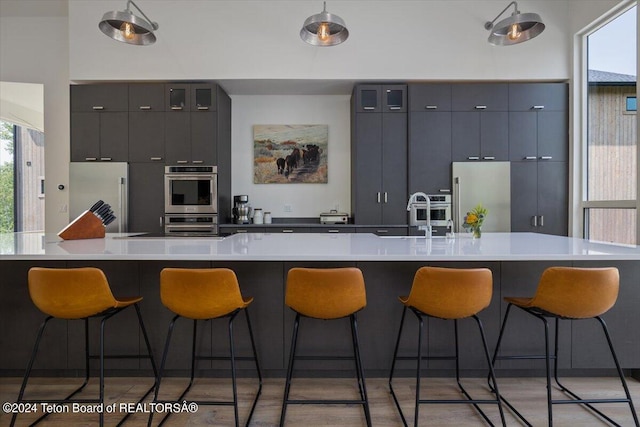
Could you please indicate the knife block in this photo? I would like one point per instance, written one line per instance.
(85, 226)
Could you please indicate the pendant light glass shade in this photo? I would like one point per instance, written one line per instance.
(126, 27)
(324, 29)
(517, 28)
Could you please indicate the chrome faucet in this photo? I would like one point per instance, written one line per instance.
(426, 228)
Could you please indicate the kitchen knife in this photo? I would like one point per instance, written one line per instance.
(109, 219)
(103, 210)
(96, 205)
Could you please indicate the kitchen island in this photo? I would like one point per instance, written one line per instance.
(261, 260)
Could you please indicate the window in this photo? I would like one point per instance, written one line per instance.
(609, 200)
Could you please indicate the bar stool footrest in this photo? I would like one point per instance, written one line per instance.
(325, 402)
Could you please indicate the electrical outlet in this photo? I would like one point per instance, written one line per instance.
(288, 208)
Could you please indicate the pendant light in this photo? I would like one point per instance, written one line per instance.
(324, 29)
(517, 28)
(126, 27)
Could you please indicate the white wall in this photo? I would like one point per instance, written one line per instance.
(306, 200)
(240, 39)
(34, 48)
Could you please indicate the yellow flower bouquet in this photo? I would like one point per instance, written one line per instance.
(474, 219)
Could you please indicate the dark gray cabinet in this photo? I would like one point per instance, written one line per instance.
(538, 135)
(429, 168)
(99, 123)
(191, 124)
(379, 168)
(480, 122)
(538, 122)
(146, 133)
(539, 197)
(146, 97)
(146, 197)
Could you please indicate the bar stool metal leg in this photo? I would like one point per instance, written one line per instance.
(292, 356)
(360, 371)
(393, 367)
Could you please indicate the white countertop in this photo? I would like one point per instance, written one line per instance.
(312, 247)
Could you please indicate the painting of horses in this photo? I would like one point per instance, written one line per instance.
(290, 154)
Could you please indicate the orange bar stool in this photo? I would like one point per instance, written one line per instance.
(79, 294)
(450, 294)
(575, 294)
(326, 293)
(205, 294)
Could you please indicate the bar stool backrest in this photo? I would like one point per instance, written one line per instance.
(200, 293)
(325, 293)
(577, 293)
(70, 293)
(451, 293)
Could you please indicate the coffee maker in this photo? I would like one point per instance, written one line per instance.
(241, 209)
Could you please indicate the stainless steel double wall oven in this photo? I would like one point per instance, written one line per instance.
(191, 200)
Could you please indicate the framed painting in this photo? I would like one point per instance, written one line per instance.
(290, 154)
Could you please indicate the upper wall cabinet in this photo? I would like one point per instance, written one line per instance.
(190, 97)
(99, 123)
(381, 99)
(146, 97)
(430, 97)
(538, 96)
(480, 97)
(99, 98)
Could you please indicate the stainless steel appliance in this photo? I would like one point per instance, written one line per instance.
(191, 190)
(334, 217)
(107, 181)
(488, 183)
(190, 225)
(439, 208)
(241, 209)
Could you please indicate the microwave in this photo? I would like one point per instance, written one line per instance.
(440, 211)
(191, 190)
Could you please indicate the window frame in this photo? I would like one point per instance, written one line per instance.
(578, 196)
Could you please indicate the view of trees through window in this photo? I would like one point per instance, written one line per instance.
(611, 174)
(6, 177)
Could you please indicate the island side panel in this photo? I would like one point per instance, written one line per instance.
(19, 323)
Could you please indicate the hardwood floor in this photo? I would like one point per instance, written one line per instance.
(527, 394)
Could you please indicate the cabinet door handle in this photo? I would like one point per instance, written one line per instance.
(541, 221)
(176, 108)
(145, 107)
(537, 107)
(368, 108)
(197, 162)
(378, 197)
(182, 162)
(431, 107)
(161, 222)
(98, 107)
(534, 220)
(480, 107)
(155, 159)
(287, 230)
(202, 108)
(105, 159)
(333, 231)
(473, 158)
(90, 159)
(546, 157)
(382, 231)
(489, 158)
(530, 158)
(385, 197)
(445, 190)
(394, 108)
(241, 230)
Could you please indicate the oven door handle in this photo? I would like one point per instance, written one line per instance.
(189, 176)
